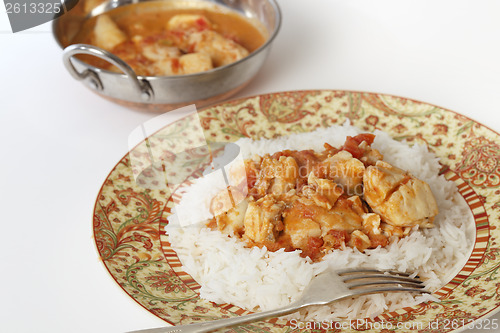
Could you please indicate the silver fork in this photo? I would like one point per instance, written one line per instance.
(326, 287)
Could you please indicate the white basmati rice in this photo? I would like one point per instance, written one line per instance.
(258, 280)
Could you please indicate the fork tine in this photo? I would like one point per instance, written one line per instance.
(353, 286)
(371, 270)
(388, 289)
(368, 281)
(381, 277)
(372, 274)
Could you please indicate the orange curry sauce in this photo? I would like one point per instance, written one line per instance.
(145, 24)
(317, 201)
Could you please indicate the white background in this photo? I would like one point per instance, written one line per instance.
(59, 140)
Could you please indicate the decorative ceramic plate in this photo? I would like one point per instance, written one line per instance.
(129, 220)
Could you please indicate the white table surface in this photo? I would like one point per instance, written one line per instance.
(59, 140)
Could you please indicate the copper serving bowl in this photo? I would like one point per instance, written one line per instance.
(164, 93)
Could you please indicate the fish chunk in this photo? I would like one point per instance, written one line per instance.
(195, 62)
(221, 50)
(231, 221)
(299, 224)
(277, 176)
(371, 223)
(322, 192)
(167, 67)
(341, 217)
(107, 34)
(359, 240)
(370, 155)
(398, 197)
(165, 58)
(344, 170)
(262, 220)
(188, 22)
(156, 52)
(226, 200)
(380, 180)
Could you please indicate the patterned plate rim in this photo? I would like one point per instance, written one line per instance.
(476, 259)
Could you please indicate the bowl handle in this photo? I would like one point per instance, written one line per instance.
(142, 87)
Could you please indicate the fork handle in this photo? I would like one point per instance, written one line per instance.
(221, 323)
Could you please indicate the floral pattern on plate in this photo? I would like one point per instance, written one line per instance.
(129, 220)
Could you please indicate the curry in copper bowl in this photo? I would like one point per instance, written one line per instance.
(161, 55)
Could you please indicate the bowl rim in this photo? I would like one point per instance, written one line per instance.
(266, 45)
